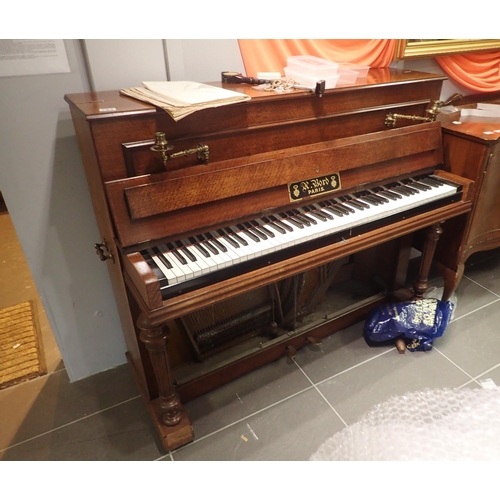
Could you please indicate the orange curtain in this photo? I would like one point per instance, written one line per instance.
(479, 72)
(270, 55)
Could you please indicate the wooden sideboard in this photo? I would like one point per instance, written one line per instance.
(472, 150)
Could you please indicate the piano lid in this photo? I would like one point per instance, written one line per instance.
(103, 104)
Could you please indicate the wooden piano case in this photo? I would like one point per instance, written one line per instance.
(188, 342)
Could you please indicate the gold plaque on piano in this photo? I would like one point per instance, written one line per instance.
(314, 187)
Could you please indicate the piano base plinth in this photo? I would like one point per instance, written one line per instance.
(172, 437)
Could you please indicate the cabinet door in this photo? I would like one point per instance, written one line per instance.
(485, 225)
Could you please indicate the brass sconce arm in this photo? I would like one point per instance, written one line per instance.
(161, 146)
(392, 118)
(433, 111)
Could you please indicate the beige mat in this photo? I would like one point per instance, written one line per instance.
(19, 345)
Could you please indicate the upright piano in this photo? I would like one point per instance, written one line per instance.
(240, 234)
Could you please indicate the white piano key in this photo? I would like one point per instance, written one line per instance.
(171, 276)
(182, 272)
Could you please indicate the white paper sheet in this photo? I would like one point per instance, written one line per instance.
(32, 57)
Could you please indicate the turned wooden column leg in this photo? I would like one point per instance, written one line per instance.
(431, 238)
(155, 339)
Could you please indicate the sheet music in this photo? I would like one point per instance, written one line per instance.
(181, 98)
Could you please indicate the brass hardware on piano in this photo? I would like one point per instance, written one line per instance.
(102, 250)
(162, 146)
(392, 118)
(436, 105)
(433, 111)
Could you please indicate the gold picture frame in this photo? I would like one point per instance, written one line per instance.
(413, 49)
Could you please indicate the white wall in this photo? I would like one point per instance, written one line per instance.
(43, 183)
(44, 186)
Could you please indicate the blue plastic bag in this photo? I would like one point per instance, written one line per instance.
(417, 322)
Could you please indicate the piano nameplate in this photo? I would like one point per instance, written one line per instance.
(314, 187)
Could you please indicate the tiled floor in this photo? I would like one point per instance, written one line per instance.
(283, 411)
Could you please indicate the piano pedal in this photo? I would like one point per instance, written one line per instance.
(291, 352)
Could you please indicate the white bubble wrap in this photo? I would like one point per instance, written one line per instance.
(439, 424)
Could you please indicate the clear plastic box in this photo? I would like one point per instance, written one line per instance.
(362, 70)
(347, 76)
(309, 81)
(312, 67)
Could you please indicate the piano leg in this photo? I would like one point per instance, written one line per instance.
(431, 238)
(174, 425)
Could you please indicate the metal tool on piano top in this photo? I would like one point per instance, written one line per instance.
(223, 262)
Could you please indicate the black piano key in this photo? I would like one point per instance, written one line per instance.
(307, 220)
(264, 229)
(316, 213)
(247, 232)
(386, 194)
(391, 194)
(228, 238)
(332, 209)
(291, 219)
(381, 199)
(296, 216)
(275, 226)
(176, 254)
(264, 226)
(347, 209)
(401, 190)
(162, 257)
(406, 184)
(420, 186)
(216, 242)
(441, 181)
(156, 270)
(281, 223)
(251, 227)
(182, 248)
(204, 242)
(323, 213)
(431, 181)
(414, 185)
(354, 204)
(200, 249)
(236, 236)
(368, 199)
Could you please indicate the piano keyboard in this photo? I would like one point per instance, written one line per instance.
(193, 262)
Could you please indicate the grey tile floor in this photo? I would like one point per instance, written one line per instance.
(283, 411)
